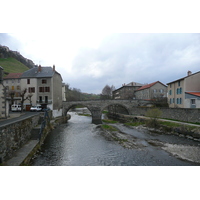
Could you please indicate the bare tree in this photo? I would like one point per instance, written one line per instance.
(107, 92)
(29, 96)
(23, 98)
(11, 94)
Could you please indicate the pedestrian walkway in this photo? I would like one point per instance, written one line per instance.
(15, 117)
(166, 120)
(22, 153)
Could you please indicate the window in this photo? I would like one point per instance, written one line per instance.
(44, 81)
(13, 87)
(170, 101)
(41, 89)
(40, 99)
(31, 90)
(28, 81)
(170, 92)
(47, 89)
(179, 83)
(180, 90)
(44, 89)
(193, 101)
(180, 101)
(46, 99)
(173, 100)
(18, 87)
(154, 90)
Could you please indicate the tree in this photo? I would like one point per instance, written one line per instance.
(107, 92)
(153, 114)
(22, 95)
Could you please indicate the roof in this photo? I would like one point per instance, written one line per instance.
(194, 93)
(183, 78)
(134, 84)
(13, 75)
(149, 85)
(39, 72)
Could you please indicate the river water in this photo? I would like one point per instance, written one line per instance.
(81, 143)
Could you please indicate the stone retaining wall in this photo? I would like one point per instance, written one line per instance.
(15, 135)
(182, 114)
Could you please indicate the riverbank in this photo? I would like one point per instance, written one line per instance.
(182, 129)
(184, 152)
(25, 154)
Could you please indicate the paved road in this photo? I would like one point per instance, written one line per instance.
(15, 117)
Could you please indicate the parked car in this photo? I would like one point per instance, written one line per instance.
(36, 108)
(15, 108)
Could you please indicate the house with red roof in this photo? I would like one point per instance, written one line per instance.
(185, 92)
(152, 91)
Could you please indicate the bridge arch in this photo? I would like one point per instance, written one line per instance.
(115, 107)
(96, 106)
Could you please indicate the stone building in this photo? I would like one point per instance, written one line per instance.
(151, 91)
(126, 91)
(45, 85)
(185, 92)
(12, 82)
(4, 110)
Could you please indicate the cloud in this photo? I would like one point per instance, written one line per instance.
(145, 58)
(90, 61)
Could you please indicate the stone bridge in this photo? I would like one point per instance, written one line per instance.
(97, 106)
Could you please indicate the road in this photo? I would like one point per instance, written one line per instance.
(15, 117)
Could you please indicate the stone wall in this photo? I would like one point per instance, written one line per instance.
(15, 135)
(182, 114)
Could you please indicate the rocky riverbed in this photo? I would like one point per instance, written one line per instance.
(182, 151)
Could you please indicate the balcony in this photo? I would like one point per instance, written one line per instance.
(44, 102)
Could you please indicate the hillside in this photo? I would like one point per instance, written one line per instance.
(5, 52)
(11, 65)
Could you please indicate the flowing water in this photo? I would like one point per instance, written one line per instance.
(81, 143)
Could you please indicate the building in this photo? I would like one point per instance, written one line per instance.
(185, 92)
(12, 82)
(126, 91)
(151, 91)
(4, 109)
(45, 86)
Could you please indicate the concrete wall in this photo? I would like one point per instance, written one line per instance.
(182, 114)
(15, 135)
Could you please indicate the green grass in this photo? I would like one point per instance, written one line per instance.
(133, 123)
(109, 121)
(11, 65)
(108, 127)
(87, 115)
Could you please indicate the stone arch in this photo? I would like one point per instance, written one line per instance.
(118, 104)
(75, 104)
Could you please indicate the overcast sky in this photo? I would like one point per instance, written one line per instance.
(81, 40)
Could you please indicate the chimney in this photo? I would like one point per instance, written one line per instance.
(39, 68)
(54, 68)
(189, 73)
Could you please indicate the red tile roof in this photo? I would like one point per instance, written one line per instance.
(148, 85)
(13, 75)
(194, 93)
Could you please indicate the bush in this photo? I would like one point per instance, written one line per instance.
(153, 114)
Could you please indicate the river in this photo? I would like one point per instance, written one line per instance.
(81, 143)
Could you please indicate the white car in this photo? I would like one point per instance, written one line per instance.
(16, 108)
(36, 108)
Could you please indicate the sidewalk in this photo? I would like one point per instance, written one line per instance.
(22, 153)
(166, 120)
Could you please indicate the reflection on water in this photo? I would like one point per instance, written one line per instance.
(79, 143)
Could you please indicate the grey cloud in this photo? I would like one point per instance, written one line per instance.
(143, 58)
